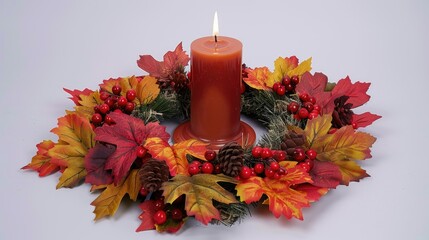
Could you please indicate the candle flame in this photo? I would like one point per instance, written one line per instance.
(215, 25)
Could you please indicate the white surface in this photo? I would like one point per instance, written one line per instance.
(48, 45)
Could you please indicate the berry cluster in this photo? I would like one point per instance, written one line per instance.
(286, 86)
(268, 162)
(113, 102)
(164, 211)
(207, 167)
(304, 158)
(307, 110)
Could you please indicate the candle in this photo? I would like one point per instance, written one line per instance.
(215, 91)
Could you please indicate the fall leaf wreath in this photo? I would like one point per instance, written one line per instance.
(114, 140)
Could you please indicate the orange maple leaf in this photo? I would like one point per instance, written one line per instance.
(41, 162)
(175, 156)
(87, 104)
(282, 198)
(257, 77)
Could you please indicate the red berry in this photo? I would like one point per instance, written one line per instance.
(303, 113)
(104, 108)
(259, 168)
(160, 217)
(304, 97)
(217, 169)
(141, 151)
(282, 171)
(266, 153)
(316, 107)
(312, 100)
(104, 95)
(117, 110)
(286, 81)
(280, 156)
(131, 95)
(289, 87)
(276, 86)
(245, 172)
(207, 168)
(210, 155)
(116, 89)
(108, 120)
(256, 151)
(309, 106)
(293, 107)
(109, 102)
(276, 176)
(299, 154)
(159, 204)
(193, 169)
(294, 80)
(274, 166)
(129, 107)
(96, 118)
(354, 125)
(176, 214)
(122, 101)
(143, 191)
(281, 90)
(96, 109)
(332, 130)
(307, 165)
(313, 115)
(269, 172)
(311, 154)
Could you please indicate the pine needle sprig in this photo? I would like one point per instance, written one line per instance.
(165, 106)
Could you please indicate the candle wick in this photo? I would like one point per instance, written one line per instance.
(215, 38)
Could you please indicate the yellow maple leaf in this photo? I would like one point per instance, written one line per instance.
(287, 67)
(200, 191)
(88, 102)
(147, 90)
(256, 78)
(108, 202)
(75, 138)
(303, 67)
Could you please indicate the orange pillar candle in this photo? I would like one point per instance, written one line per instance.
(215, 87)
(216, 93)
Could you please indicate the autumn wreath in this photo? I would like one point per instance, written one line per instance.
(114, 141)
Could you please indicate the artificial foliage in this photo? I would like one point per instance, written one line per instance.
(114, 140)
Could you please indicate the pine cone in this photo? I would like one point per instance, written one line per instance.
(291, 141)
(153, 173)
(230, 157)
(342, 115)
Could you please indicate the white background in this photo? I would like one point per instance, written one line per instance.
(48, 45)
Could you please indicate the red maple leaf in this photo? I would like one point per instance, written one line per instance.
(146, 216)
(364, 119)
(355, 91)
(95, 162)
(127, 135)
(325, 174)
(172, 61)
(75, 94)
(314, 193)
(315, 85)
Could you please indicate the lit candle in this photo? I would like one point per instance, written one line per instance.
(215, 90)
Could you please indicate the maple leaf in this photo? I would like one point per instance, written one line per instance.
(287, 67)
(200, 191)
(355, 91)
(315, 85)
(108, 202)
(282, 199)
(87, 103)
(75, 94)
(75, 138)
(149, 210)
(350, 171)
(325, 174)
(316, 129)
(257, 77)
(147, 90)
(172, 61)
(95, 162)
(41, 162)
(364, 119)
(175, 156)
(170, 226)
(314, 193)
(127, 135)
